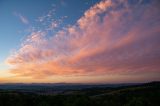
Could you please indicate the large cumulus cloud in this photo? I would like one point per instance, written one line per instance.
(113, 37)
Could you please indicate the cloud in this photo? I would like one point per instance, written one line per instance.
(48, 22)
(23, 19)
(63, 3)
(113, 37)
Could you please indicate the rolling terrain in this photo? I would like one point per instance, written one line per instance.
(147, 94)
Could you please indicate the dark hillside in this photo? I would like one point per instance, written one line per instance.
(137, 95)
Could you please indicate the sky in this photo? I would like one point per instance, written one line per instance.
(79, 41)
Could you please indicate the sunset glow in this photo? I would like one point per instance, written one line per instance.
(79, 41)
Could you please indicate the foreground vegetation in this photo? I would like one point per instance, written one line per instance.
(141, 95)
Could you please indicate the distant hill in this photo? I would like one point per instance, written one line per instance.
(59, 86)
(146, 94)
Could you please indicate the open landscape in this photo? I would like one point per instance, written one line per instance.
(79, 52)
(146, 94)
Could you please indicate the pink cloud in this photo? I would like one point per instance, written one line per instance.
(106, 40)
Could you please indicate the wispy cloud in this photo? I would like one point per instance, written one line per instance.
(23, 19)
(48, 21)
(63, 3)
(113, 37)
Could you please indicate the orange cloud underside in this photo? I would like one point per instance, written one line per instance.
(105, 41)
